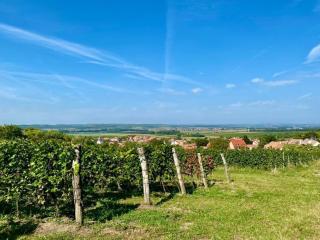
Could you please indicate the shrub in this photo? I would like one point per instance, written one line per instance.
(10, 132)
(219, 144)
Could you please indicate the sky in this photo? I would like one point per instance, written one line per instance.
(162, 61)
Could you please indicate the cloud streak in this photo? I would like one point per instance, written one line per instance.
(277, 74)
(305, 96)
(230, 85)
(313, 55)
(261, 103)
(171, 91)
(56, 44)
(71, 82)
(273, 83)
(91, 55)
(196, 90)
(254, 104)
(168, 39)
(13, 94)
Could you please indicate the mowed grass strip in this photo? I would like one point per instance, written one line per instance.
(258, 205)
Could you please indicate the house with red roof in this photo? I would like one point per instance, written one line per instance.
(237, 143)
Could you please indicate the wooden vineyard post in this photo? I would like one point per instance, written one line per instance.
(145, 176)
(177, 164)
(225, 167)
(76, 184)
(203, 175)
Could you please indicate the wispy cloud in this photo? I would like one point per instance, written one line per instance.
(142, 72)
(279, 83)
(257, 80)
(8, 93)
(135, 77)
(91, 55)
(277, 74)
(12, 94)
(171, 91)
(302, 107)
(59, 79)
(258, 54)
(230, 85)
(168, 38)
(305, 96)
(313, 55)
(236, 105)
(253, 104)
(56, 44)
(261, 103)
(273, 83)
(196, 90)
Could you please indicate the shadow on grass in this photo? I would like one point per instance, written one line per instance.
(165, 199)
(106, 210)
(15, 229)
(28, 210)
(172, 191)
(90, 197)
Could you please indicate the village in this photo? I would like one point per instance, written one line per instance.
(233, 143)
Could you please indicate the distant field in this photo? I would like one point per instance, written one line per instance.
(254, 134)
(258, 205)
(116, 134)
(187, 131)
(209, 134)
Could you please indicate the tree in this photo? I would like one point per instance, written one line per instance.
(37, 134)
(246, 139)
(201, 142)
(10, 132)
(311, 134)
(179, 135)
(219, 144)
(265, 139)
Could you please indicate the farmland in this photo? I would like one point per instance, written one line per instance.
(186, 131)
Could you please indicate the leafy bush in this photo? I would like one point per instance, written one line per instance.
(201, 142)
(190, 163)
(160, 161)
(37, 134)
(10, 132)
(266, 158)
(265, 139)
(35, 174)
(219, 144)
(246, 139)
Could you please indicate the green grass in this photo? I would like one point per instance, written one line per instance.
(258, 205)
(253, 134)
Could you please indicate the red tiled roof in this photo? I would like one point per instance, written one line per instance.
(238, 142)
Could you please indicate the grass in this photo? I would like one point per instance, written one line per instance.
(258, 205)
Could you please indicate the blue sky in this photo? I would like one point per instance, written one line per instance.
(183, 61)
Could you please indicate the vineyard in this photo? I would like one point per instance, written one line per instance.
(82, 180)
(36, 175)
